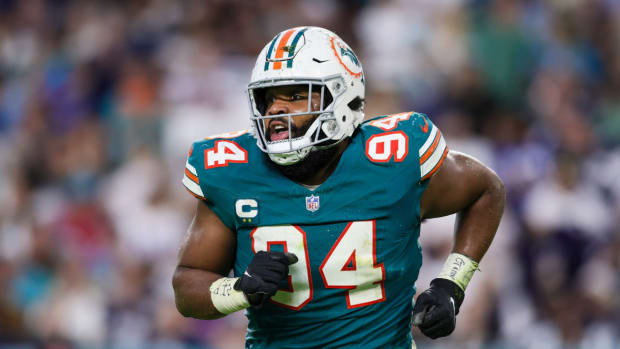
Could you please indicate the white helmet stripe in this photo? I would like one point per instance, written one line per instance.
(294, 43)
(279, 52)
(273, 42)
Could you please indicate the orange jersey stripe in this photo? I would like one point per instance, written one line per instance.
(280, 50)
(443, 156)
(191, 176)
(194, 195)
(432, 148)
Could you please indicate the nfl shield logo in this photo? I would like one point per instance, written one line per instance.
(312, 203)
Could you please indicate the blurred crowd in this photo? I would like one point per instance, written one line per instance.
(100, 101)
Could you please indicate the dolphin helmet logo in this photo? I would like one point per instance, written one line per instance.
(345, 51)
(346, 57)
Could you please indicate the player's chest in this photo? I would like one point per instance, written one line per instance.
(344, 199)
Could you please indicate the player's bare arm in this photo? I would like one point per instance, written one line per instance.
(467, 187)
(201, 287)
(473, 191)
(207, 254)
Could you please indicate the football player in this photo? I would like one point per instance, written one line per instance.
(318, 213)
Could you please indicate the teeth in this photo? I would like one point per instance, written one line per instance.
(279, 128)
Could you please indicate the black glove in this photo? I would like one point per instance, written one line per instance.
(435, 309)
(262, 278)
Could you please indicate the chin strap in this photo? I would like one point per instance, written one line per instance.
(290, 158)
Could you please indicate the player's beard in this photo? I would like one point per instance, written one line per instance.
(313, 162)
(306, 168)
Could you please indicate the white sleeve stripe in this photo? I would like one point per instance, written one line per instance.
(191, 168)
(434, 159)
(429, 140)
(192, 186)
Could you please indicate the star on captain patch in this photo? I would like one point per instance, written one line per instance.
(312, 203)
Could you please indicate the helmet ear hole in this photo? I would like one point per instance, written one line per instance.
(344, 118)
(356, 104)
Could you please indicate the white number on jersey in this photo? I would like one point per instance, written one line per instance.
(223, 153)
(350, 264)
(382, 147)
(390, 122)
(294, 241)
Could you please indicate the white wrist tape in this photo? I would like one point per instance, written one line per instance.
(225, 298)
(459, 269)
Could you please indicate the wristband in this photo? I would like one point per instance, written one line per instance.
(225, 298)
(458, 269)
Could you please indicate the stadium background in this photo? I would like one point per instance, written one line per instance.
(100, 100)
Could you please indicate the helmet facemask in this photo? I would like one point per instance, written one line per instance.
(317, 135)
(319, 60)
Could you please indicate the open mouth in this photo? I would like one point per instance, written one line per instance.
(278, 130)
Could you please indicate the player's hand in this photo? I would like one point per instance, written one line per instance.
(435, 309)
(262, 278)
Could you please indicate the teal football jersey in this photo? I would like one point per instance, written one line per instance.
(355, 235)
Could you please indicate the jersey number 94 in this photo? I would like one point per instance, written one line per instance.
(350, 264)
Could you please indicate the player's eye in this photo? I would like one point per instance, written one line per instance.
(298, 97)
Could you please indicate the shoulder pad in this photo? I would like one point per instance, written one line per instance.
(416, 132)
(190, 178)
(215, 151)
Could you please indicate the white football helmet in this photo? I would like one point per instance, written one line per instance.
(317, 58)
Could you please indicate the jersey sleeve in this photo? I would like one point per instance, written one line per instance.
(433, 151)
(190, 177)
(413, 140)
(214, 172)
(431, 146)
